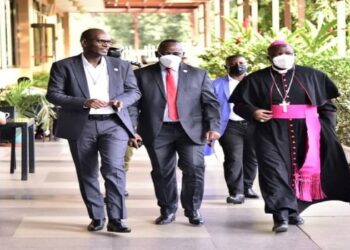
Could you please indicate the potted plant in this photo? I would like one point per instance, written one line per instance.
(29, 102)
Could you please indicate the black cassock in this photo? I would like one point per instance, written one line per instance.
(281, 143)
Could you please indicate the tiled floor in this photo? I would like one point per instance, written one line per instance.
(46, 212)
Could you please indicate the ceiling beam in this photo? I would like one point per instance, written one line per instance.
(150, 10)
(153, 3)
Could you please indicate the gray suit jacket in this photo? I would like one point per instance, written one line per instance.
(68, 89)
(197, 105)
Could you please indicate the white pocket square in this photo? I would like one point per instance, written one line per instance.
(116, 69)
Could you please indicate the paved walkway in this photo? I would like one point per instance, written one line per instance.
(46, 212)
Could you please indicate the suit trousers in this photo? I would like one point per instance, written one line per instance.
(173, 140)
(107, 139)
(240, 164)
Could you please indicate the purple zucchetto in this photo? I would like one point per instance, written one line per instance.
(279, 43)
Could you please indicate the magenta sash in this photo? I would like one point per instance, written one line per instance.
(307, 179)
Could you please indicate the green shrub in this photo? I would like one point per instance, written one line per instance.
(315, 46)
(339, 71)
(41, 79)
(250, 44)
(29, 103)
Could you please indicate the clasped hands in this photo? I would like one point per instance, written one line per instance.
(96, 104)
(262, 115)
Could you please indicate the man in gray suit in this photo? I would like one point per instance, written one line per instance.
(177, 123)
(93, 92)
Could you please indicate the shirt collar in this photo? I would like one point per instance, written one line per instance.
(280, 71)
(163, 68)
(230, 79)
(87, 64)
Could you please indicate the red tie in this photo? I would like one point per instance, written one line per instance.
(171, 95)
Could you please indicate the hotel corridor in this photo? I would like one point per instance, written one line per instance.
(47, 212)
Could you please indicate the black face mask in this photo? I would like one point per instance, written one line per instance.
(237, 69)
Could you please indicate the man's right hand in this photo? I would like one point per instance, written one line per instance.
(135, 142)
(262, 115)
(95, 103)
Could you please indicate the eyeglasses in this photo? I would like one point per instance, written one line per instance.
(103, 42)
(171, 53)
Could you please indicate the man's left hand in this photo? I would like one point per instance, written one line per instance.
(117, 104)
(136, 141)
(212, 136)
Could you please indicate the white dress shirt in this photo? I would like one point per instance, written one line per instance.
(98, 84)
(232, 84)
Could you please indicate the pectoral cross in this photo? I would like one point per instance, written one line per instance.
(284, 105)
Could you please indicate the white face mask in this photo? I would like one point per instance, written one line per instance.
(170, 61)
(283, 61)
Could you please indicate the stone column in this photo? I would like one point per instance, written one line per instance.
(25, 36)
(66, 32)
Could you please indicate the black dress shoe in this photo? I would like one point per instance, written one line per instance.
(96, 225)
(296, 220)
(194, 217)
(235, 199)
(165, 219)
(126, 193)
(249, 193)
(116, 225)
(280, 226)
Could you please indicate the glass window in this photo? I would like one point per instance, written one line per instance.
(44, 42)
(8, 54)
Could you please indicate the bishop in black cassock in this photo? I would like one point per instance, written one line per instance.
(282, 142)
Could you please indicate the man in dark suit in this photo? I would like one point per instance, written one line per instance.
(93, 92)
(178, 114)
(240, 164)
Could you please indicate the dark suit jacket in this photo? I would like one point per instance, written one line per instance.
(68, 89)
(196, 102)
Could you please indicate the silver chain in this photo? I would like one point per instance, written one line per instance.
(288, 88)
(94, 80)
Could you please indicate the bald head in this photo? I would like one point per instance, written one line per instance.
(170, 47)
(95, 43)
(91, 33)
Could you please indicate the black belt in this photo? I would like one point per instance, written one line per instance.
(243, 122)
(102, 117)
